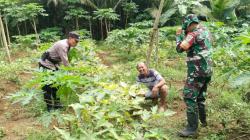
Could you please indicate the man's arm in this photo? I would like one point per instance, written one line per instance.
(157, 87)
(179, 39)
(161, 83)
(188, 41)
(183, 44)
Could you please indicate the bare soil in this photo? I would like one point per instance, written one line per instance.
(15, 121)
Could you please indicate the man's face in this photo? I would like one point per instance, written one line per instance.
(189, 28)
(72, 42)
(142, 69)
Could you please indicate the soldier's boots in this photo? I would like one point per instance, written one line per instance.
(202, 114)
(192, 126)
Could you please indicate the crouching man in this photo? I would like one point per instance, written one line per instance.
(155, 83)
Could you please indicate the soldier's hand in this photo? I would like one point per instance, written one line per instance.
(179, 31)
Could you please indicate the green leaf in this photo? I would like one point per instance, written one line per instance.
(85, 98)
(241, 80)
(77, 109)
(145, 115)
(65, 135)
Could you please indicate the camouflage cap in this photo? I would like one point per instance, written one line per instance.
(188, 20)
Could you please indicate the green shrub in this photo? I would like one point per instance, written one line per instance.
(25, 41)
(84, 34)
(2, 133)
(50, 34)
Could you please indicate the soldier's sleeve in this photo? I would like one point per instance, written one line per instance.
(62, 52)
(190, 38)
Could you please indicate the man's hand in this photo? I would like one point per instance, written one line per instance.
(179, 31)
(155, 91)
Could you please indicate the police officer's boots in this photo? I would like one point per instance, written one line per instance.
(202, 114)
(57, 104)
(190, 130)
(48, 102)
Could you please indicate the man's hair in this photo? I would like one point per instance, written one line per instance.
(74, 35)
(140, 64)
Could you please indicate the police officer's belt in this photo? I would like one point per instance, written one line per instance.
(46, 55)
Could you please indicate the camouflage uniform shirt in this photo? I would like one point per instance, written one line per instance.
(199, 60)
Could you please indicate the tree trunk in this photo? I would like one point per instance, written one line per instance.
(25, 26)
(106, 25)
(1, 42)
(4, 38)
(90, 28)
(126, 21)
(34, 27)
(157, 49)
(7, 31)
(153, 33)
(109, 26)
(18, 29)
(77, 24)
(117, 4)
(101, 29)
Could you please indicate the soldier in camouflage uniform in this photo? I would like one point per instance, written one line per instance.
(196, 41)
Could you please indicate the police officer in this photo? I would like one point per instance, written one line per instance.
(51, 60)
(195, 40)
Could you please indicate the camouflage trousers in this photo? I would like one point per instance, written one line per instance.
(194, 92)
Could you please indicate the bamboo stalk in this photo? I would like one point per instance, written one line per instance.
(4, 38)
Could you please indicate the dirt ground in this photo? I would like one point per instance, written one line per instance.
(15, 121)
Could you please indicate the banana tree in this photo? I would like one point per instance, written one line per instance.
(222, 10)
